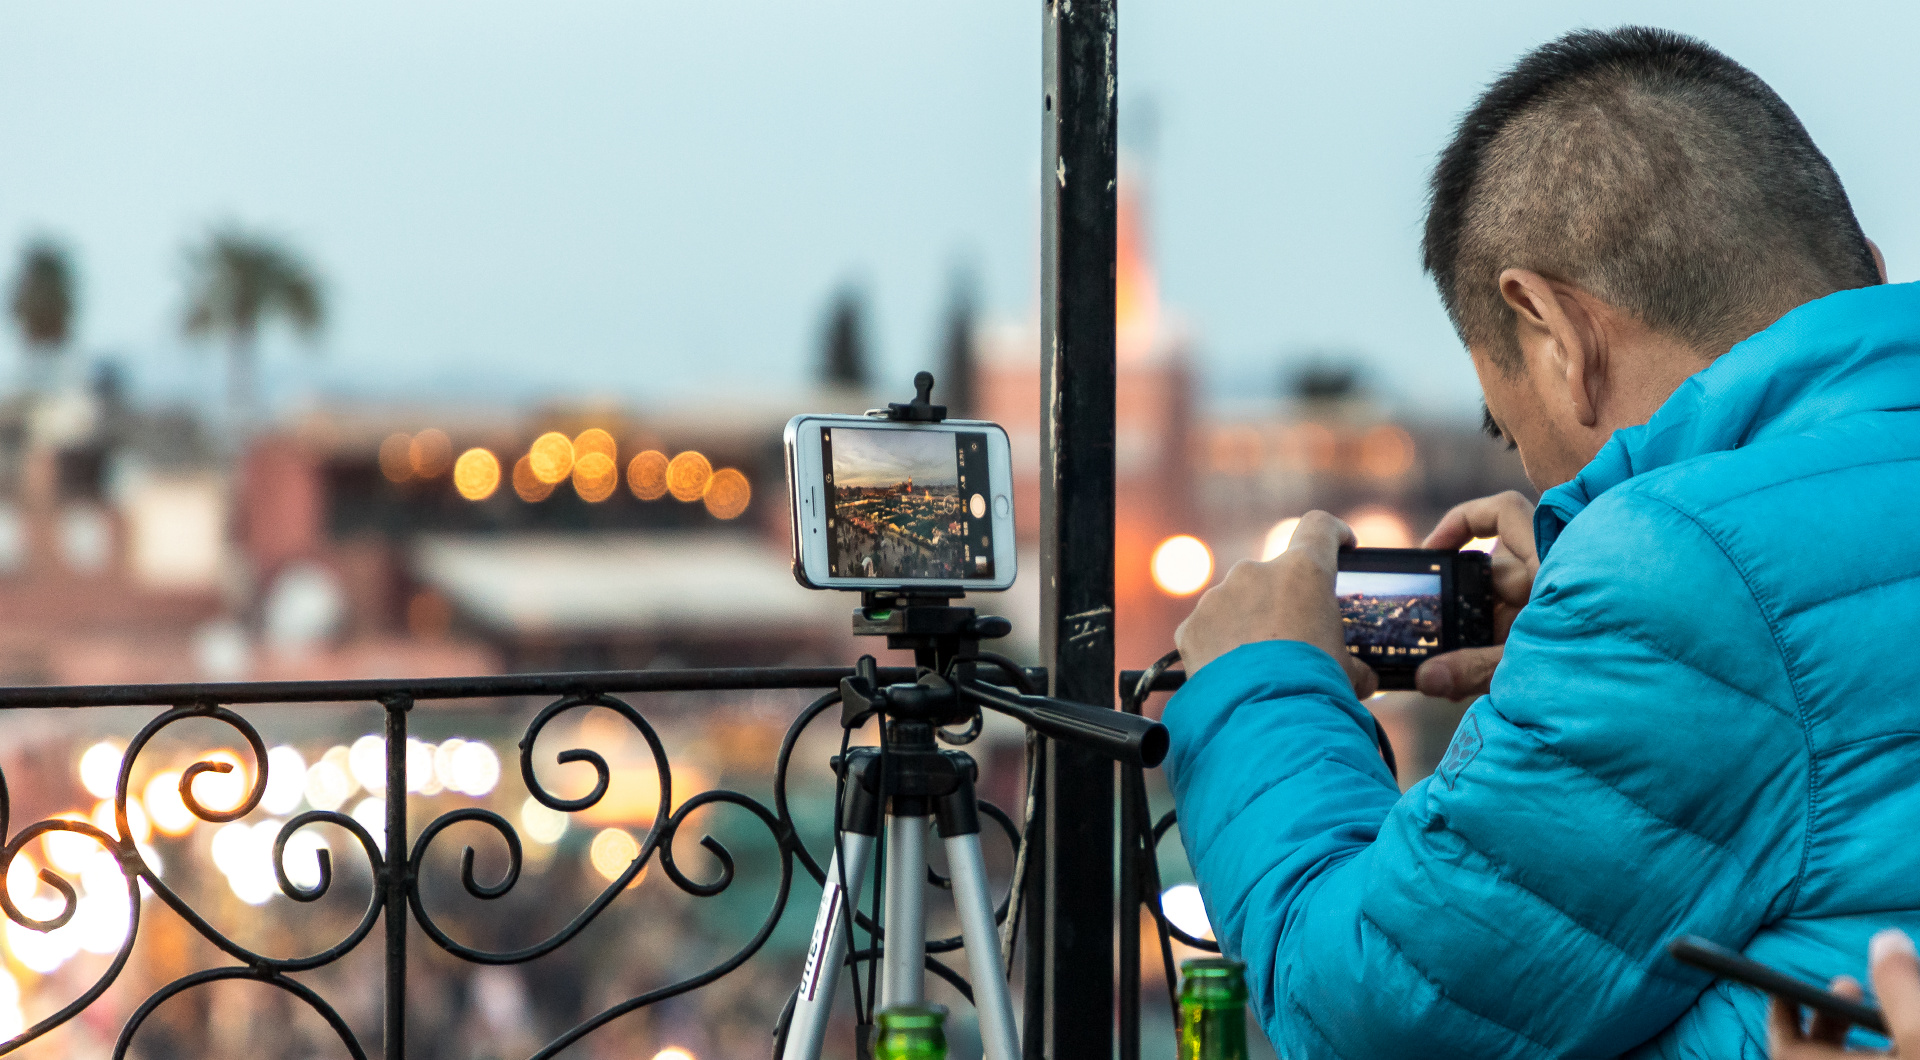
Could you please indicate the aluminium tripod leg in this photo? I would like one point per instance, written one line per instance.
(903, 960)
(828, 951)
(974, 900)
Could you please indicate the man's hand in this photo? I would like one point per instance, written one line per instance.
(1467, 672)
(1896, 982)
(1289, 597)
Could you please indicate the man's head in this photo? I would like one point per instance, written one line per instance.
(1617, 210)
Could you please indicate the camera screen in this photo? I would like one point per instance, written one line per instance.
(907, 503)
(1391, 618)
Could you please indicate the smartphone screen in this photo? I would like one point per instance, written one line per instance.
(1393, 618)
(907, 504)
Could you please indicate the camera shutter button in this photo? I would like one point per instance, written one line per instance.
(1001, 505)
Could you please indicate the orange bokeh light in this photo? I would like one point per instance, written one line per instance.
(551, 458)
(647, 475)
(595, 440)
(688, 475)
(1377, 527)
(1386, 451)
(430, 453)
(476, 474)
(595, 477)
(396, 459)
(728, 493)
(526, 484)
(1181, 565)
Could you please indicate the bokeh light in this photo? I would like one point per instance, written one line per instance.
(613, 850)
(595, 440)
(329, 785)
(551, 458)
(100, 769)
(286, 781)
(1386, 451)
(396, 457)
(673, 1052)
(1185, 908)
(1377, 527)
(302, 859)
(70, 851)
(430, 453)
(526, 485)
(23, 879)
(688, 475)
(1182, 565)
(727, 494)
(1279, 537)
(476, 474)
(220, 792)
(595, 477)
(473, 769)
(367, 761)
(541, 823)
(647, 475)
(420, 774)
(104, 819)
(372, 815)
(164, 805)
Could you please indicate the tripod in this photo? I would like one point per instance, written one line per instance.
(910, 782)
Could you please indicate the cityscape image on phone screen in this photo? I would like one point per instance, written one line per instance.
(907, 504)
(1390, 617)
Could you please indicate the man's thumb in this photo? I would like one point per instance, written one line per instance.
(1896, 984)
(1459, 674)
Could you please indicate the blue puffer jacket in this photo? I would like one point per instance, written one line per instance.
(1707, 721)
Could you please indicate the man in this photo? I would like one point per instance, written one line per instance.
(1703, 718)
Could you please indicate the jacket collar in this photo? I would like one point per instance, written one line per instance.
(1850, 352)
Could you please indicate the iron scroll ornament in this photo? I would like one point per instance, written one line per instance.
(397, 871)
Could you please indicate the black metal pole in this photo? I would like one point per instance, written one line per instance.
(1072, 955)
(396, 877)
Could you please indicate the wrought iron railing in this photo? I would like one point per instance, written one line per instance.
(397, 856)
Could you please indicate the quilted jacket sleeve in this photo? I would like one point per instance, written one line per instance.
(1639, 771)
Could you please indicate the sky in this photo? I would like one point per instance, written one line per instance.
(651, 201)
(1382, 583)
(883, 458)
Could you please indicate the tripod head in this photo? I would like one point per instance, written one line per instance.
(934, 701)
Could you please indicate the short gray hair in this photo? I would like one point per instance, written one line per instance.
(1651, 171)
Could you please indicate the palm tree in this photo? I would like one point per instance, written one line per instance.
(843, 352)
(43, 297)
(239, 281)
(957, 373)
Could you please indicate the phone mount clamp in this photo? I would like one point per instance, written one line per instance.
(909, 783)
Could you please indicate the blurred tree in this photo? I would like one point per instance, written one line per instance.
(43, 302)
(238, 281)
(1324, 377)
(843, 360)
(956, 375)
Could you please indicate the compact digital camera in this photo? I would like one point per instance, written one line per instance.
(1403, 606)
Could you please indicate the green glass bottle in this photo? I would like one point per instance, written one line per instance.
(1213, 1009)
(912, 1032)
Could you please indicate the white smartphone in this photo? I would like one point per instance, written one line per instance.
(879, 504)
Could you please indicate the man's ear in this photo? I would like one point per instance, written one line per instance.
(1879, 259)
(1554, 327)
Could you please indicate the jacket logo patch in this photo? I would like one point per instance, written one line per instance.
(1465, 745)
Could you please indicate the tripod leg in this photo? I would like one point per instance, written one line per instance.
(974, 900)
(902, 963)
(828, 950)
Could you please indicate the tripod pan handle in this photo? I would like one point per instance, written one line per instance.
(1127, 737)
